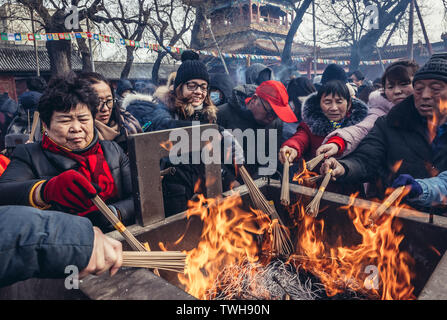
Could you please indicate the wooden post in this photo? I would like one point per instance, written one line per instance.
(424, 31)
(90, 46)
(36, 53)
(410, 52)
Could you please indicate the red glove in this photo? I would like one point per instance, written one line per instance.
(71, 190)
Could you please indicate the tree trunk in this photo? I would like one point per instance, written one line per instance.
(196, 40)
(156, 67)
(85, 55)
(367, 44)
(129, 61)
(59, 53)
(355, 57)
(286, 57)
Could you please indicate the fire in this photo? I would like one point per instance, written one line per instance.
(304, 174)
(232, 236)
(167, 145)
(340, 266)
(228, 238)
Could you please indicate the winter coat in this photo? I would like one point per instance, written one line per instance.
(235, 115)
(353, 135)
(21, 124)
(258, 73)
(8, 109)
(397, 144)
(316, 126)
(434, 191)
(142, 107)
(224, 83)
(30, 163)
(168, 116)
(123, 85)
(41, 244)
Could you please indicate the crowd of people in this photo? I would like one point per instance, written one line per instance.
(373, 135)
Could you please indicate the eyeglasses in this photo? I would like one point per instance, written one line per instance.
(270, 113)
(108, 103)
(192, 86)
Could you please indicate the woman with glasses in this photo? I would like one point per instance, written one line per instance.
(112, 122)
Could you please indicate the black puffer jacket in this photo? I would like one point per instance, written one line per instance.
(400, 135)
(30, 164)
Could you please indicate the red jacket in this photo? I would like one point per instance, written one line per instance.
(315, 127)
(4, 161)
(307, 143)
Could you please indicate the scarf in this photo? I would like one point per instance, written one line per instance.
(106, 132)
(92, 164)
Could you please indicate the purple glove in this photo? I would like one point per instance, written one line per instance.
(407, 180)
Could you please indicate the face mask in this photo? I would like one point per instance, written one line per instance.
(215, 97)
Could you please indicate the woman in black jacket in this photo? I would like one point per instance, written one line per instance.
(70, 165)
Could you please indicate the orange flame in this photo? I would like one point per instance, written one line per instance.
(232, 235)
(167, 145)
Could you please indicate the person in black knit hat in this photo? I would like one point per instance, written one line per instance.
(413, 134)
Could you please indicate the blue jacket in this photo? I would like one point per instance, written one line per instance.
(41, 244)
(434, 191)
(151, 114)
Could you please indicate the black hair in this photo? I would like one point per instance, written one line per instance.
(401, 70)
(299, 87)
(36, 84)
(95, 78)
(65, 93)
(334, 87)
(359, 75)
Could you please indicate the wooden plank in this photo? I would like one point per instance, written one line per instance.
(145, 152)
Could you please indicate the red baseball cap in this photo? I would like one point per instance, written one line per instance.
(276, 95)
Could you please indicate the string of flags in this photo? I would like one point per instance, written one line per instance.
(19, 37)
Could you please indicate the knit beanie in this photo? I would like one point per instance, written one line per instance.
(435, 68)
(191, 69)
(334, 72)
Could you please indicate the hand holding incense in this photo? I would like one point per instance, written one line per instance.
(386, 204)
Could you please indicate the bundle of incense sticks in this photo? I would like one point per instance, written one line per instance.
(117, 224)
(386, 204)
(314, 162)
(281, 243)
(314, 179)
(314, 206)
(285, 190)
(166, 260)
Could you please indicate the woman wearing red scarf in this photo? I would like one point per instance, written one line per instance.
(70, 165)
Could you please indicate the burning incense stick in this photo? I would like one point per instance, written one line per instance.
(314, 206)
(314, 179)
(167, 260)
(105, 210)
(285, 192)
(386, 204)
(281, 239)
(314, 162)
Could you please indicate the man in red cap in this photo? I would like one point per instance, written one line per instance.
(257, 112)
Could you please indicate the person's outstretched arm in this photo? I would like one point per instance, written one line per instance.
(41, 244)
